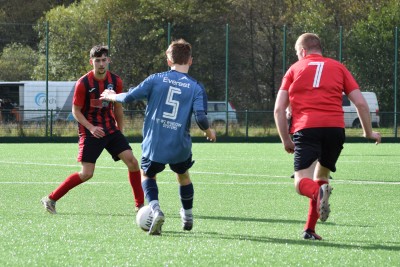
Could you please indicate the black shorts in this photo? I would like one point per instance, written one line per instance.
(90, 148)
(151, 168)
(322, 144)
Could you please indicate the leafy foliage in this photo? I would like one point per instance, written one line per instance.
(17, 62)
(12, 13)
(375, 36)
(71, 36)
(138, 31)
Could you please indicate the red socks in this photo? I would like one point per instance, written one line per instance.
(308, 187)
(74, 180)
(136, 183)
(312, 216)
(69, 183)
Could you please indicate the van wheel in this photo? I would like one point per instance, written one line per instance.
(356, 123)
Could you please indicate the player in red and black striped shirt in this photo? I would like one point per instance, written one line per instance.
(100, 127)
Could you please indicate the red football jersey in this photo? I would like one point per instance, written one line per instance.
(315, 85)
(99, 113)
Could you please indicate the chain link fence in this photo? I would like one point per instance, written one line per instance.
(237, 65)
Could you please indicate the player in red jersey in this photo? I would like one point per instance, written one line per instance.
(100, 126)
(313, 87)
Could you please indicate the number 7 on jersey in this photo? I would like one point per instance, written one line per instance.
(318, 72)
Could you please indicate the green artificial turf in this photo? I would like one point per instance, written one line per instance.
(246, 210)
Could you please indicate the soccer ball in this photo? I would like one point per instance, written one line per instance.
(144, 218)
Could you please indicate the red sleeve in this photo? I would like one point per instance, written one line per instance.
(350, 83)
(287, 80)
(79, 94)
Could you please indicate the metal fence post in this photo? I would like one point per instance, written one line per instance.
(284, 51)
(109, 40)
(47, 78)
(247, 124)
(51, 122)
(340, 42)
(226, 75)
(395, 74)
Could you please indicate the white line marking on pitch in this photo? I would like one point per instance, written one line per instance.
(192, 172)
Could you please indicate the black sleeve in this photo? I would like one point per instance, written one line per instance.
(201, 120)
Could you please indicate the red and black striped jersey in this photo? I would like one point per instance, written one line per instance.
(99, 113)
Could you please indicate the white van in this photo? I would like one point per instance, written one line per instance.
(216, 113)
(350, 112)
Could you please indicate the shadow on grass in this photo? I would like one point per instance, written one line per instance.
(270, 220)
(255, 238)
(265, 239)
(301, 242)
(94, 214)
(242, 219)
(221, 218)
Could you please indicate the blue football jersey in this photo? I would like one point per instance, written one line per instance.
(172, 97)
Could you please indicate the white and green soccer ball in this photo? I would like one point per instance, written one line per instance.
(144, 218)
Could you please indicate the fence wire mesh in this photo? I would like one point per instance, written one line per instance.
(235, 63)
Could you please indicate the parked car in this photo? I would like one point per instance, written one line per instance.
(216, 113)
(350, 112)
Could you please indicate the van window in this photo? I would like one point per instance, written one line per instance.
(345, 101)
(220, 107)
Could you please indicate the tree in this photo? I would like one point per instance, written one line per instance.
(138, 36)
(16, 62)
(371, 47)
(71, 36)
(17, 18)
(139, 31)
(255, 52)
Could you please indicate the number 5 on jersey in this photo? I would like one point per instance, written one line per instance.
(171, 102)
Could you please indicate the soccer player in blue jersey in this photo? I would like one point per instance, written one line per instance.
(172, 97)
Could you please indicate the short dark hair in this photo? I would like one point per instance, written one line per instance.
(98, 51)
(179, 52)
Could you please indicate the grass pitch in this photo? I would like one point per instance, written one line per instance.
(246, 210)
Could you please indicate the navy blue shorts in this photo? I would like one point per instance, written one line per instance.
(322, 144)
(151, 168)
(90, 148)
